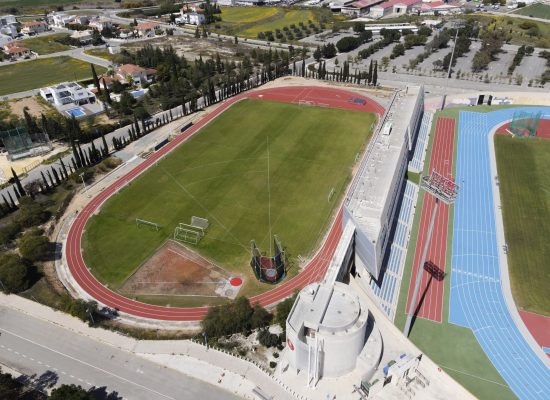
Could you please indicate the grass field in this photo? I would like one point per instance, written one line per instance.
(454, 348)
(249, 21)
(525, 194)
(535, 10)
(222, 174)
(101, 52)
(46, 44)
(42, 72)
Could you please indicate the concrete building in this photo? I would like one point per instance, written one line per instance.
(371, 206)
(191, 17)
(83, 36)
(392, 7)
(60, 19)
(439, 7)
(8, 25)
(100, 23)
(135, 73)
(34, 27)
(358, 7)
(67, 93)
(330, 331)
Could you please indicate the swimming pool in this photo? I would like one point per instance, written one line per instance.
(138, 93)
(76, 112)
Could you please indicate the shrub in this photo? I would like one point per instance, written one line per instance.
(267, 338)
(348, 43)
(15, 274)
(34, 247)
(272, 364)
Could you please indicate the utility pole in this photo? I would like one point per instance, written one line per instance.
(443, 189)
(83, 182)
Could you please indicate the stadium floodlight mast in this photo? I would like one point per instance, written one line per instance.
(443, 189)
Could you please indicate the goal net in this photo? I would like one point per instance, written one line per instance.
(148, 224)
(191, 233)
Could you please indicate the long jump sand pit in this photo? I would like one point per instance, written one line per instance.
(175, 270)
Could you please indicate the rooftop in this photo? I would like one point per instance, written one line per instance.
(369, 196)
(326, 308)
(391, 3)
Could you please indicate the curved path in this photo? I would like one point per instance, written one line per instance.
(314, 271)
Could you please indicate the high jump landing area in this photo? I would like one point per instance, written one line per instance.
(314, 271)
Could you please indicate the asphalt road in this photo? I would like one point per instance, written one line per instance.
(54, 356)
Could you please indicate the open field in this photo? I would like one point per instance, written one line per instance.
(249, 21)
(39, 5)
(100, 52)
(42, 72)
(221, 173)
(525, 194)
(46, 44)
(535, 10)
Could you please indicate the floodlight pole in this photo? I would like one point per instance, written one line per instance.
(442, 189)
(419, 274)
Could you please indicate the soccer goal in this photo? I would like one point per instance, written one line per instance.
(191, 233)
(149, 224)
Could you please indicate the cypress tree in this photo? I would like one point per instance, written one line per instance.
(303, 68)
(105, 146)
(13, 205)
(137, 126)
(74, 164)
(81, 155)
(76, 156)
(6, 203)
(369, 75)
(52, 184)
(56, 176)
(45, 181)
(64, 168)
(96, 80)
(18, 183)
(16, 192)
(375, 74)
(107, 94)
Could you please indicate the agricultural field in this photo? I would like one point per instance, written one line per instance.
(42, 72)
(535, 10)
(46, 44)
(250, 21)
(525, 195)
(258, 162)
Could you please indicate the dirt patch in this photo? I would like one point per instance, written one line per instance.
(35, 107)
(175, 270)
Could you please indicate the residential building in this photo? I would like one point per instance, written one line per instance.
(8, 25)
(393, 7)
(5, 40)
(67, 93)
(249, 2)
(438, 7)
(83, 36)
(60, 19)
(192, 18)
(17, 52)
(101, 23)
(357, 8)
(226, 3)
(147, 29)
(137, 73)
(34, 27)
(82, 19)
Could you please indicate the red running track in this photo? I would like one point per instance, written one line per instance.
(314, 271)
(431, 289)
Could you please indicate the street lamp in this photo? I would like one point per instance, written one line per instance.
(83, 182)
(457, 27)
(443, 189)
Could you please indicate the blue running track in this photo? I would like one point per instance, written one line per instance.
(477, 300)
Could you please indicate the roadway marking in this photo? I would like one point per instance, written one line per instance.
(86, 364)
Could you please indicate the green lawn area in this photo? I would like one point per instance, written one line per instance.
(43, 72)
(535, 10)
(46, 44)
(222, 174)
(249, 21)
(525, 196)
(101, 52)
(454, 348)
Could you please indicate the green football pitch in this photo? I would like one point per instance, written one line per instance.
(257, 162)
(525, 192)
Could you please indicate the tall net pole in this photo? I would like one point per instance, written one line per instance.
(443, 189)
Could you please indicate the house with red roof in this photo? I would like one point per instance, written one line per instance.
(34, 27)
(16, 51)
(393, 7)
(358, 7)
(438, 8)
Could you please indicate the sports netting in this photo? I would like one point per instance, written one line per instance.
(525, 123)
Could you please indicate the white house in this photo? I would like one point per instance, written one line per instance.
(34, 27)
(358, 7)
(83, 36)
(8, 25)
(82, 19)
(438, 7)
(147, 29)
(101, 23)
(226, 2)
(67, 93)
(60, 19)
(193, 18)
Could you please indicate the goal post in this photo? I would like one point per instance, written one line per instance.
(143, 222)
(191, 233)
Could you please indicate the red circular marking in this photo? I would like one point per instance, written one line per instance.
(236, 281)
